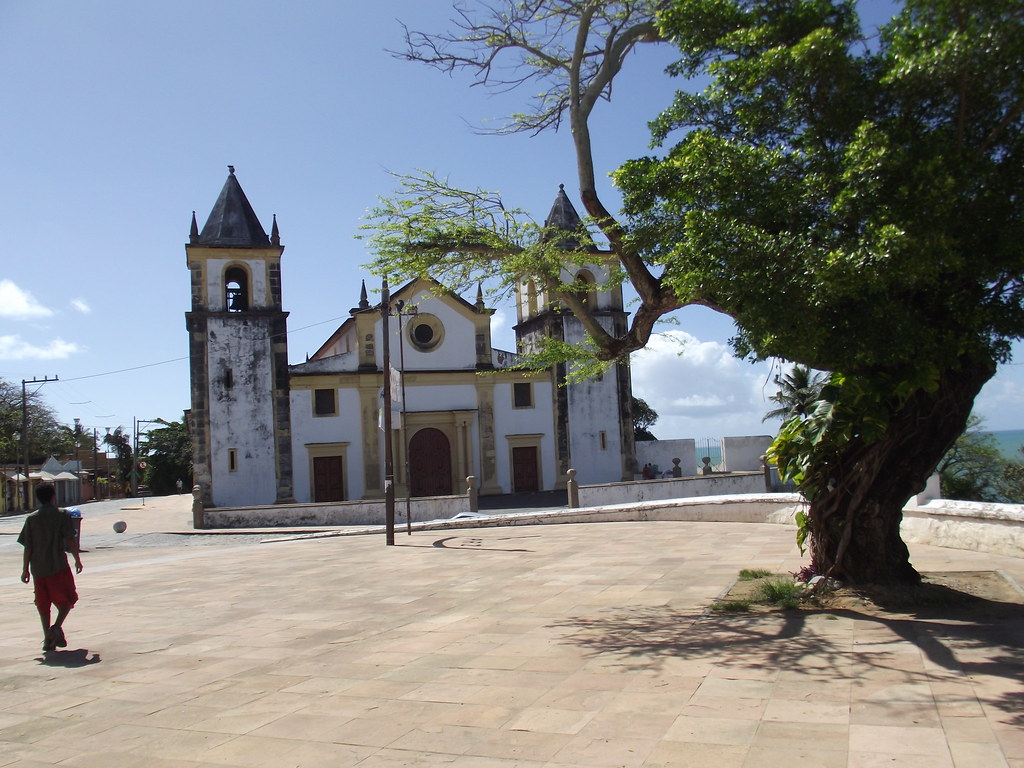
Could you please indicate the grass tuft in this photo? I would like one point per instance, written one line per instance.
(781, 591)
(731, 606)
(749, 574)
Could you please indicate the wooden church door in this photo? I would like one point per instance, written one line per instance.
(430, 463)
(524, 470)
(328, 478)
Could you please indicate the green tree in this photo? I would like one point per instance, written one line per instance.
(973, 468)
(1011, 483)
(644, 418)
(570, 52)
(120, 444)
(168, 454)
(46, 435)
(799, 391)
(856, 207)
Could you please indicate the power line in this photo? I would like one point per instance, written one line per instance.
(179, 359)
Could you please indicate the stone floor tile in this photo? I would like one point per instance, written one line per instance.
(796, 754)
(692, 754)
(890, 760)
(833, 737)
(262, 752)
(712, 730)
(723, 706)
(599, 753)
(974, 755)
(807, 711)
(915, 714)
(898, 740)
(549, 720)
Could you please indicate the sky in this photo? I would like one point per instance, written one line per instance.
(121, 118)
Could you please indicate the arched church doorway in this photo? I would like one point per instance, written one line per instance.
(430, 463)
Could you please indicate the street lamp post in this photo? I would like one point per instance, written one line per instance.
(389, 458)
(17, 462)
(399, 306)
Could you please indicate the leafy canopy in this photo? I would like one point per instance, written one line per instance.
(854, 204)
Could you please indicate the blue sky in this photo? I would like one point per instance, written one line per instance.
(121, 118)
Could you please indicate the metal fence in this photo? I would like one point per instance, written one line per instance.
(710, 448)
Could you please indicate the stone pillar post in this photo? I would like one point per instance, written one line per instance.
(197, 508)
(573, 489)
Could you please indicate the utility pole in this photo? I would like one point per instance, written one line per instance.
(95, 467)
(24, 429)
(389, 457)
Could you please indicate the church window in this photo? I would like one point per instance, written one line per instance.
(585, 288)
(522, 395)
(229, 378)
(425, 332)
(236, 289)
(232, 460)
(324, 402)
(603, 439)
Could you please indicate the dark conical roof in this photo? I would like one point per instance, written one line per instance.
(563, 217)
(232, 221)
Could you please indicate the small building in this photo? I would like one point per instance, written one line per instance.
(265, 432)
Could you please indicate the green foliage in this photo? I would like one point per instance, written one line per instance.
(853, 207)
(644, 418)
(731, 606)
(1011, 482)
(851, 408)
(799, 390)
(168, 454)
(803, 530)
(749, 574)
(971, 469)
(46, 435)
(781, 591)
(119, 442)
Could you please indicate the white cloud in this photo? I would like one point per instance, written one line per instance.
(700, 389)
(81, 306)
(18, 303)
(15, 348)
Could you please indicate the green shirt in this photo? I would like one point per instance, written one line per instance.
(45, 533)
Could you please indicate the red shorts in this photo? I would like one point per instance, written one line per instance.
(58, 590)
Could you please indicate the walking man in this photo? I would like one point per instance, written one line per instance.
(47, 534)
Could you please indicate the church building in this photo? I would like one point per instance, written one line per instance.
(265, 432)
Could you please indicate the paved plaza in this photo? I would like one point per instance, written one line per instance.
(519, 647)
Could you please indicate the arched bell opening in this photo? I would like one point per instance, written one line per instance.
(236, 289)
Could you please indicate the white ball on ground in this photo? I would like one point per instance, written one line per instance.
(120, 526)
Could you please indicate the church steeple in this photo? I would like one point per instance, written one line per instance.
(232, 222)
(563, 220)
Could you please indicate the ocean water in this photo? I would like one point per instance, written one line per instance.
(1010, 441)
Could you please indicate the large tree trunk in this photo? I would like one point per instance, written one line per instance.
(855, 519)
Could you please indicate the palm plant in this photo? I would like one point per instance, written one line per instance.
(799, 390)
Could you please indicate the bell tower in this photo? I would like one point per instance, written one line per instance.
(593, 418)
(238, 356)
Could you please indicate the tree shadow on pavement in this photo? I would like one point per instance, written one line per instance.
(823, 644)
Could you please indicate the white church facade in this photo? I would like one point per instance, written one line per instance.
(265, 432)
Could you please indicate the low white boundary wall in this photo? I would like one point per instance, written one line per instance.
(976, 526)
(726, 484)
(973, 525)
(368, 512)
(777, 508)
